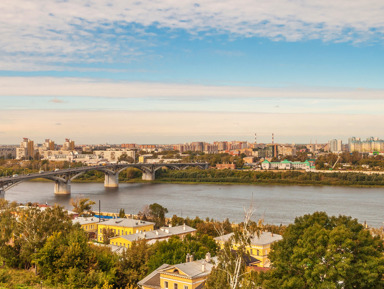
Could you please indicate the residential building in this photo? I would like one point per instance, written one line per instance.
(112, 155)
(287, 165)
(189, 275)
(335, 146)
(26, 149)
(156, 235)
(122, 227)
(88, 224)
(259, 247)
(69, 145)
(370, 145)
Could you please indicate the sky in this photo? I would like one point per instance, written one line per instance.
(167, 71)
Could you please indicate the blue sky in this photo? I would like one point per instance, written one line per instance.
(180, 71)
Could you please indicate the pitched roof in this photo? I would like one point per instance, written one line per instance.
(153, 279)
(130, 223)
(85, 220)
(193, 269)
(263, 239)
(162, 233)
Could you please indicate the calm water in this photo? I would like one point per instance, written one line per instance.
(278, 204)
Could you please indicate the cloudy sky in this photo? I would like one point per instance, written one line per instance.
(179, 71)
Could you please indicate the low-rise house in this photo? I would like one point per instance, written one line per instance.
(189, 275)
(152, 236)
(259, 248)
(121, 227)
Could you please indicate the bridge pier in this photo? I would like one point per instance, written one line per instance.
(111, 180)
(148, 176)
(62, 188)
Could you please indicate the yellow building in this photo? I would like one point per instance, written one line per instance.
(259, 248)
(121, 227)
(189, 275)
(152, 236)
(88, 224)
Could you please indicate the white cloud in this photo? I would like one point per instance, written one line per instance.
(84, 87)
(103, 30)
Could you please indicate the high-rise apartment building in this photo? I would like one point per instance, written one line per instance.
(26, 149)
(371, 144)
(335, 145)
(69, 145)
(49, 145)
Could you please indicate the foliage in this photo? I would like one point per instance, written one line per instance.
(319, 251)
(69, 259)
(107, 234)
(157, 213)
(208, 227)
(81, 205)
(292, 177)
(133, 264)
(231, 271)
(122, 213)
(24, 235)
(175, 250)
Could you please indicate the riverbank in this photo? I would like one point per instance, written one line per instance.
(263, 178)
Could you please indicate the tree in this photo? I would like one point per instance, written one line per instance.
(122, 213)
(319, 251)
(133, 264)
(124, 157)
(106, 235)
(157, 214)
(69, 259)
(231, 271)
(81, 205)
(30, 229)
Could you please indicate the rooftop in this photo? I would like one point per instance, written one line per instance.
(264, 238)
(130, 223)
(163, 232)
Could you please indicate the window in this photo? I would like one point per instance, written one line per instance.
(185, 286)
(175, 286)
(166, 284)
(257, 252)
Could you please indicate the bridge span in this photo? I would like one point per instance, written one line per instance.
(63, 178)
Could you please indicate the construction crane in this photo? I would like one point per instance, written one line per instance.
(334, 165)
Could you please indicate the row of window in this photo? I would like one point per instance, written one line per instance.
(175, 285)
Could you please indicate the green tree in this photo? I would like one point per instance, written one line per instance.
(122, 213)
(157, 214)
(70, 260)
(133, 264)
(107, 234)
(319, 251)
(81, 205)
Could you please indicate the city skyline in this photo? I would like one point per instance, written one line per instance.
(166, 72)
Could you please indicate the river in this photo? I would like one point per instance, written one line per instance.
(278, 204)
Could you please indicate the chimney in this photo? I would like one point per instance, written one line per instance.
(157, 232)
(184, 227)
(208, 257)
(170, 225)
(187, 258)
(203, 266)
(191, 258)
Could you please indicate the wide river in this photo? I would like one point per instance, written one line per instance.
(278, 204)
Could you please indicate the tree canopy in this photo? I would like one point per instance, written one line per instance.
(319, 251)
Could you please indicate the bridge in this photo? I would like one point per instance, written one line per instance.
(63, 178)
